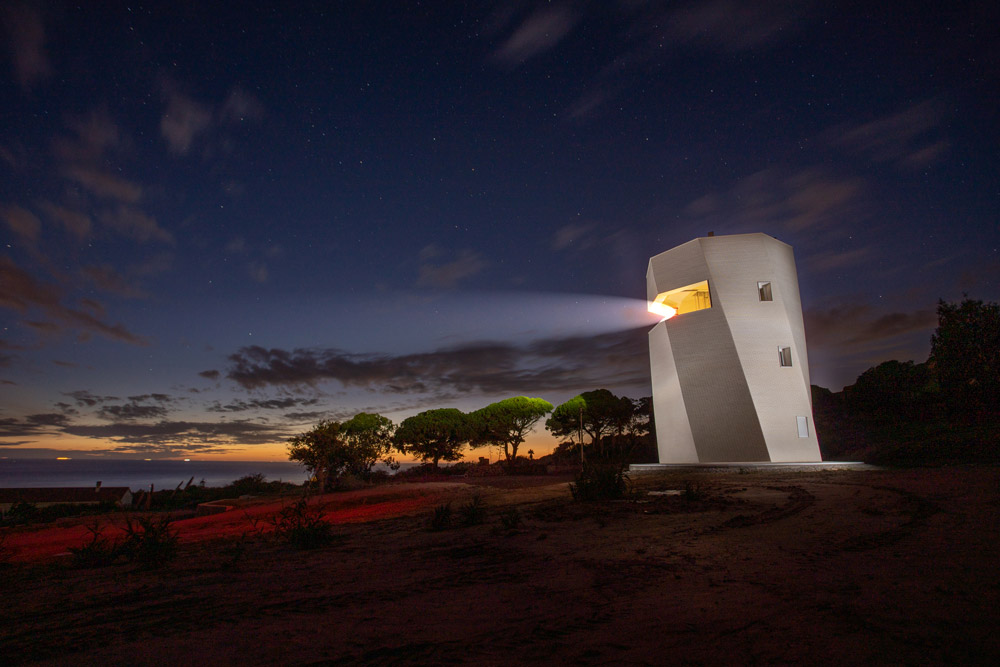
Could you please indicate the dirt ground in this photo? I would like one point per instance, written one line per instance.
(814, 567)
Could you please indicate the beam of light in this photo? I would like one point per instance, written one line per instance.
(662, 309)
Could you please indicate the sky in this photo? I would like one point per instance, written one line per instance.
(222, 224)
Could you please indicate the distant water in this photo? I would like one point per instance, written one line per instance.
(140, 474)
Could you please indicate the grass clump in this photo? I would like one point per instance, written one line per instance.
(474, 511)
(441, 518)
(302, 525)
(511, 519)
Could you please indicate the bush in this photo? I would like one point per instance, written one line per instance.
(20, 513)
(510, 518)
(474, 511)
(600, 481)
(148, 540)
(441, 518)
(302, 525)
(98, 552)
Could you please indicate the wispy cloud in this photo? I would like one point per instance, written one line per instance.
(105, 185)
(22, 222)
(447, 274)
(182, 121)
(731, 25)
(794, 200)
(577, 236)
(76, 223)
(905, 138)
(26, 42)
(538, 33)
(135, 224)
(20, 291)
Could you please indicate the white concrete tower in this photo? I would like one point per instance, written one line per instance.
(729, 365)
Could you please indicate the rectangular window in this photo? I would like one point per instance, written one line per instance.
(785, 355)
(764, 291)
(803, 425)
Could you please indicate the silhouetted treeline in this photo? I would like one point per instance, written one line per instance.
(944, 410)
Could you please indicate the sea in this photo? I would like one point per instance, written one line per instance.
(140, 474)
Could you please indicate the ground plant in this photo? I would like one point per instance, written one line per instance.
(601, 481)
(302, 525)
(441, 518)
(473, 512)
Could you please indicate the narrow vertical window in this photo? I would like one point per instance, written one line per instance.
(785, 355)
(803, 425)
(764, 291)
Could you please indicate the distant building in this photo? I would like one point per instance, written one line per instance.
(729, 365)
(88, 495)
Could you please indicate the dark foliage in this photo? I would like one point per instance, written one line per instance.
(601, 481)
(473, 512)
(302, 525)
(511, 519)
(441, 518)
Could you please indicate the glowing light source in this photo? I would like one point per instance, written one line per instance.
(62, 458)
(662, 309)
(682, 300)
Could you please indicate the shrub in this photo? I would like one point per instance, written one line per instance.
(99, 551)
(600, 481)
(510, 518)
(149, 540)
(441, 518)
(302, 525)
(20, 513)
(474, 511)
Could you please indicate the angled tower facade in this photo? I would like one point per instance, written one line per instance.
(729, 365)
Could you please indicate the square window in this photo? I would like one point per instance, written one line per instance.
(785, 355)
(803, 425)
(764, 291)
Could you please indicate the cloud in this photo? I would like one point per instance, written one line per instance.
(131, 411)
(84, 398)
(734, 26)
(241, 106)
(26, 41)
(263, 404)
(183, 120)
(181, 435)
(210, 375)
(573, 235)
(32, 425)
(804, 200)
(22, 222)
(107, 279)
(94, 136)
(21, 292)
(447, 274)
(617, 359)
(900, 138)
(861, 328)
(105, 185)
(134, 224)
(538, 33)
(74, 222)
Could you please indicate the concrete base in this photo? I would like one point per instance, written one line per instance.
(640, 468)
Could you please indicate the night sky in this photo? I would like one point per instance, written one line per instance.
(221, 225)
